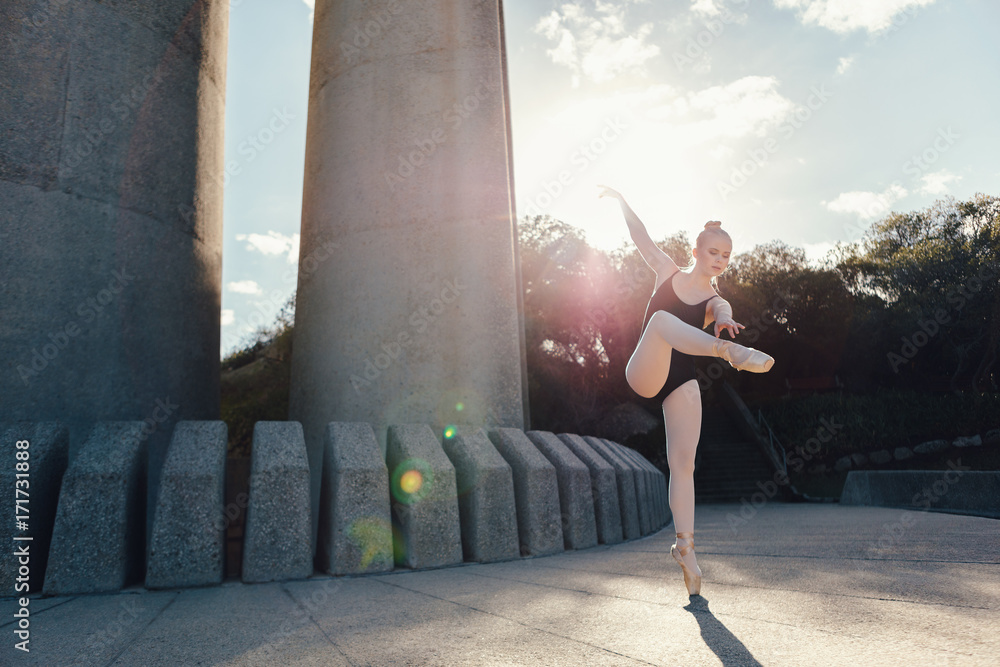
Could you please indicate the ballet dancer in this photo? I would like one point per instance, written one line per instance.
(662, 366)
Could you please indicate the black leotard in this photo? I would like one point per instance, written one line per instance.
(681, 365)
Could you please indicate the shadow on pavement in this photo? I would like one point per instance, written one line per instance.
(717, 636)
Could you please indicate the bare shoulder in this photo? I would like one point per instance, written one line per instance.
(663, 274)
(692, 293)
(662, 264)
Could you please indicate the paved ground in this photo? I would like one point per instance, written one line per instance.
(791, 585)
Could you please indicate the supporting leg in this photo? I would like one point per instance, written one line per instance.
(682, 417)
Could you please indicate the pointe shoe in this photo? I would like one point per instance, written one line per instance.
(691, 580)
(743, 358)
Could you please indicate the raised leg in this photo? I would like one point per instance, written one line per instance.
(650, 362)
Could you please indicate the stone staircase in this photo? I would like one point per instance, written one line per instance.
(728, 465)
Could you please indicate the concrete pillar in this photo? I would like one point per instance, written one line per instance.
(111, 161)
(407, 304)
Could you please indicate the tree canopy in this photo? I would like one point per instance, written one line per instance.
(914, 303)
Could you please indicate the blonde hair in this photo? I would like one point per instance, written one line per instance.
(711, 227)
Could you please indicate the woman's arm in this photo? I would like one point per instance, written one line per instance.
(721, 312)
(657, 260)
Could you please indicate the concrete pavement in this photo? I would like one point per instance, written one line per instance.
(786, 584)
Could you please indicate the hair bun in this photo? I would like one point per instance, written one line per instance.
(713, 223)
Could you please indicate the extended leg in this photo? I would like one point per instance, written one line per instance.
(682, 417)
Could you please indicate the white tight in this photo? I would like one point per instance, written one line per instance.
(646, 373)
(682, 417)
(648, 367)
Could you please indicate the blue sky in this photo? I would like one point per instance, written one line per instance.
(798, 120)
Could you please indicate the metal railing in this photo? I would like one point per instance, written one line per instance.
(776, 449)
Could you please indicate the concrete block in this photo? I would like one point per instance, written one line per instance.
(658, 482)
(654, 486)
(44, 463)
(662, 482)
(628, 499)
(424, 501)
(536, 492)
(953, 490)
(576, 500)
(277, 543)
(656, 514)
(485, 488)
(880, 456)
(99, 537)
(931, 446)
(603, 486)
(355, 531)
(187, 547)
(644, 499)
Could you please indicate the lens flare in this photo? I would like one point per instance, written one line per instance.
(459, 406)
(411, 481)
(449, 432)
(373, 536)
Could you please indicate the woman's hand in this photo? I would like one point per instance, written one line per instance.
(728, 324)
(605, 191)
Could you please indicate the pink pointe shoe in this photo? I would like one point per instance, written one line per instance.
(691, 580)
(743, 358)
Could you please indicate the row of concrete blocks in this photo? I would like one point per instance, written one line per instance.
(474, 495)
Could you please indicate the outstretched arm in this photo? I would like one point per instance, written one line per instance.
(657, 260)
(720, 312)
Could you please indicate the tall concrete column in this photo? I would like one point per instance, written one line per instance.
(407, 305)
(111, 158)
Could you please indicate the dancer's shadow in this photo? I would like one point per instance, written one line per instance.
(723, 643)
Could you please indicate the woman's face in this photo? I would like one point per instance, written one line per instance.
(713, 255)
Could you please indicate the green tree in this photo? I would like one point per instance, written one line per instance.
(583, 314)
(928, 281)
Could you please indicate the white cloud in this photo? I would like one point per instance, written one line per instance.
(705, 7)
(816, 252)
(936, 183)
(228, 317)
(312, 8)
(867, 205)
(725, 11)
(844, 16)
(596, 46)
(274, 243)
(748, 106)
(244, 287)
(845, 64)
(721, 152)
